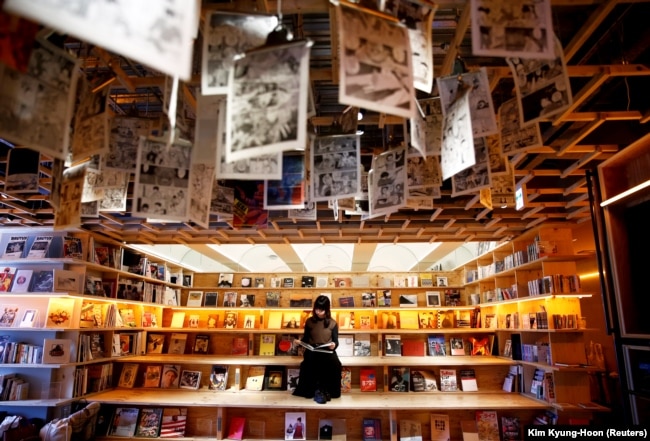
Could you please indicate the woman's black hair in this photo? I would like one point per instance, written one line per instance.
(323, 302)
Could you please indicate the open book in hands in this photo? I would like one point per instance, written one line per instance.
(318, 348)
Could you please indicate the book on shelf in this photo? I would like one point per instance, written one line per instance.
(258, 282)
(481, 345)
(346, 345)
(413, 348)
(225, 280)
(399, 379)
(468, 380)
(469, 430)
(255, 378)
(346, 379)
(287, 282)
(236, 428)
(274, 377)
(409, 320)
(178, 319)
(267, 344)
(367, 379)
(39, 247)
(149, 421)
(190, 379)
(293, 374)
(362, 345)
(510, 428)
(368, 299)
(102, 256)
(194, 298)
(457, 346)
(239, 346)
(440, 427)
(152, 375)
(332, 429)
(307, 281)
(124, 422)
(487, 424)
(272, 298)
(410, 430)
(29, 319)
(177, 343)
(42, 281)
(201, 344)
(218, 377)
(210, 299)
(174, 420)
(371, 429)
(128, 375)
(170, 296)
(346, 302)
(15, 247)
(295, 424)
(8, 315)
(170, 376)
(7, 277)
(128, 343)
(285, 345)
(365, 321)
(230, 320)
(408, 301)
(72, 247)
(22, 281)
(57, 350)
(318, 348)
(448, 380)
(128, 317)
(393, 345)
(423, 380)
(437, 345)
(384, 297)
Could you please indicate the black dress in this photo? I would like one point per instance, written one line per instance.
(319, 370)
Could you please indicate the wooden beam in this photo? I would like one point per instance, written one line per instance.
(114, 65)
(582, 96)
(580, 135)
(578, 164)
(461, 29)
(588, 28)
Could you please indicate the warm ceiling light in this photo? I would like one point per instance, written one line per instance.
(626, 193)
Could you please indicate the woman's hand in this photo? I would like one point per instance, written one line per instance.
(331, 346)
(296, 341)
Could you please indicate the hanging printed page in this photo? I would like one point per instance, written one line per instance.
(223, 199)
(543, 87)
(267, 166)
(224, 36)
(22, 170)
(158, 34)
(335, 165)
(387, 185)
(376, 68)
(515, 137)
(512, 28)
(123, 142)
(457, 151)
(480, 99)
(288, 192)
(68, 214)
(161, 180)
(267, 102)
(476, 177)
(91, 127)
(37, 106)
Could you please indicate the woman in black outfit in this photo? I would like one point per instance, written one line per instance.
(320, 372)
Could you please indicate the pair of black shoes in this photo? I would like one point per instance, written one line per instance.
(321, 397)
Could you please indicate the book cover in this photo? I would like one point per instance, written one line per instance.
(229, 299)
(239, 346)
(384, 297)
(399, 379)
(102, 256)
(510, 428)
(246, 300)
(190, 379)
(128, 317)
(413, 348)
(174, 420)
(332, 429)
(149, 421)
(57, 350)
(368, 299)
(15, 247)
(342, 282)
(267, 344)
(287, 282)
(170, 376)
(7, 277)
(346, 379)
(440, 427)
(285, 345)
(42, 281)
(367, 379)
(152, 375)
(365, 321)
(29, 319)
(393, 345)
(410, 430)
(300, 300)
(307, 281)
(320, 348)
(236, 428)
(230, 320)
(469, 429)
(293, 374)
(201, 344)
(362, 345)
(346, 345)
(274, 378)
(68, 281)
(346, 302)
(177, 343)
(213, 321)
(448, 380)
(457, 346)
(246, 282)
(128, 375)
(218, 377)
(371, 430)
(39, 247)
(124, 421)
(423, 380)
(178, 319)
(468, 380)
(59, 312)
(487, 424)
(72, 248)
(127, 341)
(295, 425)
(194, 298)
(273, 298)
(22, 281)
(259, 282)
(255, 378)
(9, 315)
(211, 299)
(225, 280)
(193, 321)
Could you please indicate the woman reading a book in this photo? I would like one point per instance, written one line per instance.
(320, 370)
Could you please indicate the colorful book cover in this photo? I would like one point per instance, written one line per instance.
(170, 376)
(152, 375)
(487, 424)
(39, 247)
(267, 344)
(295, 425)
(367, 379)
(510, 428)
(236, 428)
(8, 315)
(440, 427)
(346, 379)
(218, 378)
(371, 429)
(6, 277)
(42, 281)
(174, 420)
(124, 422)
(22, 280)
(59, 312)
(293, 374)
(437, 345)
(149, 422)
(72, 248)
(15, 247)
